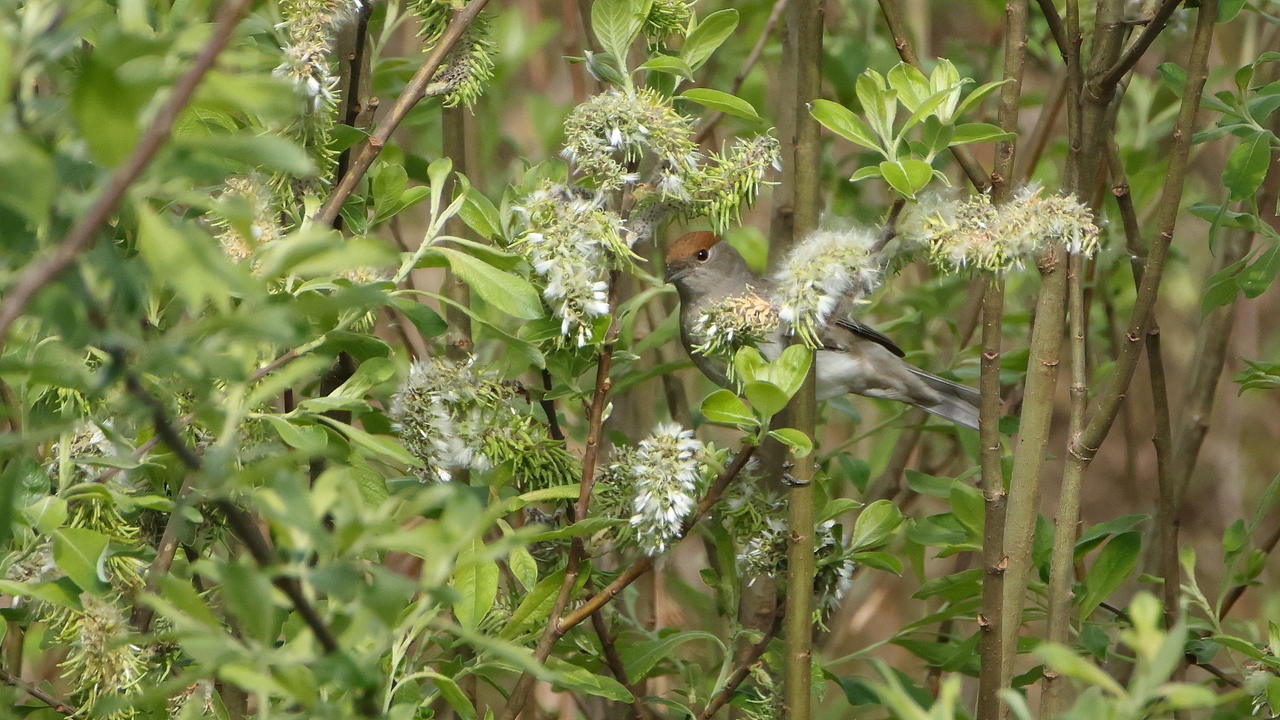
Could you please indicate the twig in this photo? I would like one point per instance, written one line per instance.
(744, 670)
(558, 625)
(1233, 595)
(897, 28)
(604, 362)
(709, 124)
(56, 704)
(241, 524)
(1056, 28)
(414, 91)
(351, 98)
(41, 272)
(1104, 84)
(614, 661)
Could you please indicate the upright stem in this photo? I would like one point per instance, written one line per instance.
(804, 25)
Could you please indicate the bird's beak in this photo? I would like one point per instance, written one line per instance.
(674, 276)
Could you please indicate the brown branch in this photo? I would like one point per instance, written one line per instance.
(557, 627)
(753, 656)
(709, 124)
(1233, 596)
(241, 524)
(57, 704)
(414, 91)
(898, 29)
(41, 272)
(1056, 27)
(614, 661)
(1104, 84)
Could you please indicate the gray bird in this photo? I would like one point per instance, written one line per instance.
(854, 358)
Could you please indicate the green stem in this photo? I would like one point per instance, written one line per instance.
(804, 26)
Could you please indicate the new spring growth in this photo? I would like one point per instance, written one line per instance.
(310, 26)
(729, 324)
(468, 67)
(571, 241)
(826, 269)
(653, 486)
(720, 186)
(245, 217)
(451, 416)
(101, 660)
(667, 18)
(615, 129)
(971, 232)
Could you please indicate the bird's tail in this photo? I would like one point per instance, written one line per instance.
(955, 402)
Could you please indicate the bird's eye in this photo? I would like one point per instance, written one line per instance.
(702, 255)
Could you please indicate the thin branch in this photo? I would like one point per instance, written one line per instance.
(241, 524)
(994, 560)
(752, 57)
(1102, 85)
(898, 29)
(744, 670)
(1056, 27)
(1233, 596)
(41, 272)
(414, 91)
(614, 661)
(57, 704)
(524, 686)
(558, 626)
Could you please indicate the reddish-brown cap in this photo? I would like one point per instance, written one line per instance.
(689, 244)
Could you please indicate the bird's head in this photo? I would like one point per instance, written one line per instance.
(701, 266)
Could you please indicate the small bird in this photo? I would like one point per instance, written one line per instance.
(854, 358)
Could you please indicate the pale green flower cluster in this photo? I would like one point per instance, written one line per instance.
(654, 486)
(731, 323)
(606, 136)
(757, 522)
(974, 233)
(468, 67)
(451, 416)
(720, 185)
(242, 233)
(571, 241)
(310, 27)
(101, 659)
(826, 269)
(667, 17)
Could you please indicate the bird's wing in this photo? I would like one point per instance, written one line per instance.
(866, 332)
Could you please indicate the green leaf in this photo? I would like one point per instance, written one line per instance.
(1062, 659)
(509, 293)
(639, 658)
(750, 364)
(382, 445)
(476, 583)
(1115, 562)
(708, 35)
(668, 64)
(722, 101)
(310, 439)
(268, 152)
(247, 593)
(573, 677)
(790, 369)
(27, 179)
(187, 262)
(908, 176)
(616, 23)
(976, 97)
(880, 560)
(911, 84)
(843, 122)
(765, 397)
(80, 553)
(879, 106)
(1256, 278)
(63, 593)
(865, 173)
(479, 213)
(1228, 9)
(523, 567)
(427, 321)
(966, 133)
(1247, 166)
(799, 443)
(726, 408)
(535, 608)
(874, 525)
